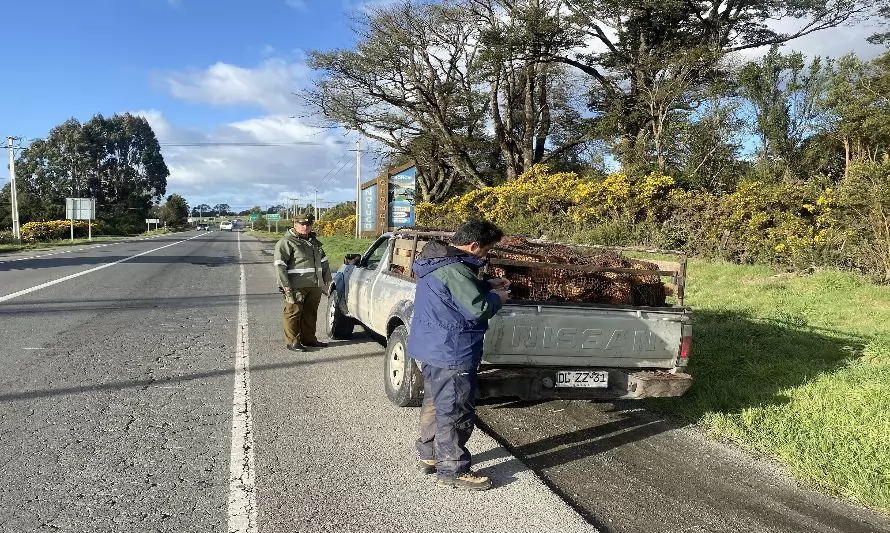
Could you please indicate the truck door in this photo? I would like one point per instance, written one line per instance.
(364, 277)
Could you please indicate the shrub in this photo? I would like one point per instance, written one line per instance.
(788, 224)
(864, 198)
(342, 227)
(52, 230)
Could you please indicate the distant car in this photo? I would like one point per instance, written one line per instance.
(226, 225)
(203, 226)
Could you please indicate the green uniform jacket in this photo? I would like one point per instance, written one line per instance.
(301, 262)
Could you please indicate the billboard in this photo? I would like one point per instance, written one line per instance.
(401, 198)
(369, 209)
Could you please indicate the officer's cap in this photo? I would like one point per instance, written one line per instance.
(304, 219)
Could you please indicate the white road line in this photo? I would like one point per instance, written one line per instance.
(69, 250)
(242, 497)
(85, 272)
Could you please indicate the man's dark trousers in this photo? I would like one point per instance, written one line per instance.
(447, 418)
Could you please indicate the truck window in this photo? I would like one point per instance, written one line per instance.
(376, 255)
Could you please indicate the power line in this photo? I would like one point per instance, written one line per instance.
(248, 143)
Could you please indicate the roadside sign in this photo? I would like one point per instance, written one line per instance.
(252, 217)
(273, 217)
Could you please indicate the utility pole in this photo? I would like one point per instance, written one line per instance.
(13, 194)
(358, 191)
(315, 205)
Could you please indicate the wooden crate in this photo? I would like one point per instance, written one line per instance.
(402, 249)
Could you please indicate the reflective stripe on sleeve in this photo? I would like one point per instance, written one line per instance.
(280, 262)
(301, 271)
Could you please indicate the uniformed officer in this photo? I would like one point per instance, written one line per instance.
(303, 273)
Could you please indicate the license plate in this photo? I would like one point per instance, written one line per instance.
(582, 378)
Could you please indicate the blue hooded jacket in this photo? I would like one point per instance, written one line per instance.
(451, 308)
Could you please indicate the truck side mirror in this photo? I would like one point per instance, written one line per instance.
(352, 259)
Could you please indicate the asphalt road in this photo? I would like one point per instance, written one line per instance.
(145, 387)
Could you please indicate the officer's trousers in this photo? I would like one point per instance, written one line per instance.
(300, 317)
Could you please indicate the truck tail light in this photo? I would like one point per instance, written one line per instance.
(686, 348)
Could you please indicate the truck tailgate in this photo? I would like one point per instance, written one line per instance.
(585, 336)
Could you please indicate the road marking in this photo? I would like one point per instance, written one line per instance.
(68, 251)
(242, 497)
(85, 272)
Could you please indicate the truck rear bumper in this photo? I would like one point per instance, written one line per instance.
(539, 384)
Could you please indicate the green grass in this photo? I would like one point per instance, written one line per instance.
(796, 367)
(335, 247)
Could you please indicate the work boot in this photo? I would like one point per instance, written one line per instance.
(468, 481)
(426, 466)
(317, 344)
(296, 347)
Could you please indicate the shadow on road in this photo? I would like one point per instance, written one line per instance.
(200, 304)
(146, 383)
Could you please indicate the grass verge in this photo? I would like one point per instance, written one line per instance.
(68, 242)
(796, 367)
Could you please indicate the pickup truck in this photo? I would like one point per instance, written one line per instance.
(533, 349)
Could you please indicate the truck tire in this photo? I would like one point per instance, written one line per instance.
(401, 377)
(338, 325)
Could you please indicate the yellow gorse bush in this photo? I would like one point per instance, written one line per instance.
(342, 227)
(775, 222)
(50, 230)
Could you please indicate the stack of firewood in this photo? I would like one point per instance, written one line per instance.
(575, 285)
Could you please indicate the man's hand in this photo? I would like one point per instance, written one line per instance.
(288, 294)
(499, 284)
(503, 294)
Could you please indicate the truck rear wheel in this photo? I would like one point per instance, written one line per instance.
(401, 377)
(339, 326)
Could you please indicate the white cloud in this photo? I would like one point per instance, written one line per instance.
(269, 86)
(264, 160)
(296, 4)
(366, 6)
(833, 42)
(230, 165)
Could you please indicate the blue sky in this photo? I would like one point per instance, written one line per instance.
(200, 70)
(204, 71)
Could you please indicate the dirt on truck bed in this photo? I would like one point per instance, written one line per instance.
(571, 285)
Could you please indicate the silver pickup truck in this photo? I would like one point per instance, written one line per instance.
(532, 350)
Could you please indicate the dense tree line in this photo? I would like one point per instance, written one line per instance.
(116, 160)
(478, 91)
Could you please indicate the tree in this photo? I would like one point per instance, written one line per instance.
(630, 48)
(222, 209)
(858, 109)
(707, 147)
(341, 210)
(201, 210)
(116, 160)
(409, 85)
(529, 100)
(175, 211)
(784, 93)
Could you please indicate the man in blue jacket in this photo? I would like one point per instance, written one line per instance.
(451, 311)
